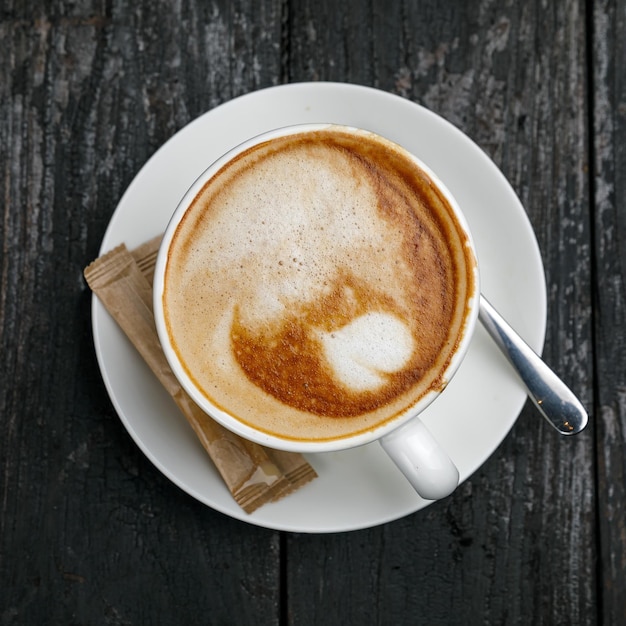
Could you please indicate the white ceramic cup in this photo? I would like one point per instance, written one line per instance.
(405, 438)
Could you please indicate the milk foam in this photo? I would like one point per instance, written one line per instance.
(307, 286)
(294, 235)
(362, 352)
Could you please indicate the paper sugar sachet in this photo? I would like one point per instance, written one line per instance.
(255, 475)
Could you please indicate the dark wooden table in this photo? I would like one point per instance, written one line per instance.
(90, 531)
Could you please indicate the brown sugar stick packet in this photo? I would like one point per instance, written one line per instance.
(248, 470)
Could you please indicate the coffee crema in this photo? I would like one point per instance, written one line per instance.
(318, 285)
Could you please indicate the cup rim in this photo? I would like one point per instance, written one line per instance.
(231, 422)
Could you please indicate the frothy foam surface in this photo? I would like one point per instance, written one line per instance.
(363, 351)
(316, 286)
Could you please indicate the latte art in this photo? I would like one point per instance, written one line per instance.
(317, 285)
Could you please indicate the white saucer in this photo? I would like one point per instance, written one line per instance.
(359, 488)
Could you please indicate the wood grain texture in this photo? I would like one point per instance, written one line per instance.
(609, 125)
(90, 531)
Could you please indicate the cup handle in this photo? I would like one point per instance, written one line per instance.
(422, 460)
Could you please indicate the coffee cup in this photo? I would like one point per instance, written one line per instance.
(315, 290)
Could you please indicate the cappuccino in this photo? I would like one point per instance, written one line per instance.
(318, 285)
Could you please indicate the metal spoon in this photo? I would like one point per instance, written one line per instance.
(551, 396)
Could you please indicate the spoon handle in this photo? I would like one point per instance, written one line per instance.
(551, 396)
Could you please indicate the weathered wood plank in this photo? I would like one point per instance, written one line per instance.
(90, 531)
(609, 124)
(516, 543)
